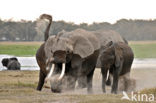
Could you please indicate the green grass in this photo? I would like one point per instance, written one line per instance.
(144, 50)
(141, 49)
(19, 49)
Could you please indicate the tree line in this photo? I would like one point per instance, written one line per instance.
(26, 30)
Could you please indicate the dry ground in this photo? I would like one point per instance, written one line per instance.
(19, 87)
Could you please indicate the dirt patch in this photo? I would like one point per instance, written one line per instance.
(21, 89)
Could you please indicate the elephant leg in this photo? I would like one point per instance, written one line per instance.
(116, 73)
(104, 76)
(41, 80)
(89, 81)
(82, 80)
(115, 82)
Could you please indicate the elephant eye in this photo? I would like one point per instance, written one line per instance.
(68, 51)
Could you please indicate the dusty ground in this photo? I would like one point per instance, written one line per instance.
(19, 87)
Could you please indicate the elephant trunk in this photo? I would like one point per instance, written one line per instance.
(57, 80)
(51, 70)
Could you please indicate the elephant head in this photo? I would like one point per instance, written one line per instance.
(69, 47)
(5, 62)
(111, 54)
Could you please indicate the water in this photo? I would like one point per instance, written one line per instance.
(29, 63)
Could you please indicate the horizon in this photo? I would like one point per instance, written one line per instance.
(12, 20)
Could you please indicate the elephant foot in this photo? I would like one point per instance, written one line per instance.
(114, 92)
(38, 89)
(108, 82)
(104, 90)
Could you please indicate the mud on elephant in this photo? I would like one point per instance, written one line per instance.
(116, 58)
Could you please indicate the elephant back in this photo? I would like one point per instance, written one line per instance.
(104, 37)
(13, 65)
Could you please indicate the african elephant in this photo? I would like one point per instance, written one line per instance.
(11, 63)
(40, 55)
(73, 57)
(71, 54)
(116, 58)
(104, 36)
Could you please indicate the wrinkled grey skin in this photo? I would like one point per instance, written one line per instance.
(79, 54)
(117, 58)
(105, 36)
(11, 63)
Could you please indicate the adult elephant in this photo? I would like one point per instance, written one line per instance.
(71, 54)
(104, 37)
(74, 56)
(40, 55)
(11, 63)
(116, 58)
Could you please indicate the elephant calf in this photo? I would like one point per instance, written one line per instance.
(11, 63)
(116, 58)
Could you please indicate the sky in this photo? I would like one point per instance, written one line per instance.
(79, 11)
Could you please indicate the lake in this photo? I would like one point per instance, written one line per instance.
(29, 63)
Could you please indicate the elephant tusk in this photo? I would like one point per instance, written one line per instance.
(63, 71)
(51, 71)
(107, 75)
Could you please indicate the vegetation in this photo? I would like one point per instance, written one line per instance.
(18, 48)
(26, 31)
(144, 50)
(141, 49)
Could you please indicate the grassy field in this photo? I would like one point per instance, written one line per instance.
(144, 49)
(19, 87)
(19, 48)
(141, 49)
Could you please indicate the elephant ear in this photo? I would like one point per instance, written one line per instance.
(49, 45)
(83, 46)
